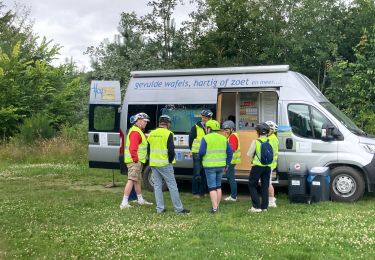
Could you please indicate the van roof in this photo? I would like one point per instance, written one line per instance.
(211, 71)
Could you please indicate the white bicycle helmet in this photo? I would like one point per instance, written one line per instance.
(272, 125)
(141, 115)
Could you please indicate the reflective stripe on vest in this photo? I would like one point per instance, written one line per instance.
(142, 148)
(158, 140)
(236, 154)
(274, 142)
(256, 160)
(216, 152)
(197, 141)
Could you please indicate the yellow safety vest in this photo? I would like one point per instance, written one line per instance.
(274, 142)
(256, 160)
(158, 140)
(142, 148)
(236, 154)
(197, 141)
(216, 152)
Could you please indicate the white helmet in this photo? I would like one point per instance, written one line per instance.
(272, 125)
(141, 115)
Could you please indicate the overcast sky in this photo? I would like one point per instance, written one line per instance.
(77, 24)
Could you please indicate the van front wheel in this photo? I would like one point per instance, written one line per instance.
(347, 184)
(148, 181)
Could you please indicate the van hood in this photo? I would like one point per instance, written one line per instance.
(366, 140)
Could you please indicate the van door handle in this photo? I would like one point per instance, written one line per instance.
(96, 138)
(289, 143)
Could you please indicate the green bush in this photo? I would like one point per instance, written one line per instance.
(35, 128)
(76, 132)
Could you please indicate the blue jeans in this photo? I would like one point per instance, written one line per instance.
(262, 173)
(199, 182)
(165, 172)
(214, 175)
(232, 181)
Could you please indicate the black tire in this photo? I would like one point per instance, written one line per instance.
(148, 181)
(347, 184)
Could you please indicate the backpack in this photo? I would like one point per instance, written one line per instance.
(266, 152)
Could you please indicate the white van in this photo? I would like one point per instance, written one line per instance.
(311, 130)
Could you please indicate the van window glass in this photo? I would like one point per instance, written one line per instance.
(104, 118)
(318, 119)
(150, 110)
(184, 116)
(299, 120)
(346, 121)
(249, 110)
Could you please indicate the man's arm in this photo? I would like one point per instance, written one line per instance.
(202, 149)
(251, 151)
(192, 136)
(229, 154)
(170, 146)
(233, 142)
(135, 139)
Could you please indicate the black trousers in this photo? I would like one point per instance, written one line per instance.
(262, 173)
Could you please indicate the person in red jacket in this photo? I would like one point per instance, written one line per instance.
(234, 143)
(135, 154)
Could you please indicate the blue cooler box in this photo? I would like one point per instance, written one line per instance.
(319, 180)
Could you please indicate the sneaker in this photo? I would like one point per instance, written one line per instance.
(213, 211)
(125, 206)
(196, 196)
(144, 202)
(161, 212)
(272, 204)
(230, 199)
(184, 211)
(254, 210)
(264, 210)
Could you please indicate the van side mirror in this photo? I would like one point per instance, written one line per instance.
(330, 133)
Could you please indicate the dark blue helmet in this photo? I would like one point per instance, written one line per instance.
(262, 129)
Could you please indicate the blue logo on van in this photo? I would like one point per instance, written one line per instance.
(97, 90)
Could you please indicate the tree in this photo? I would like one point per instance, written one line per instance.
(29, 84)
(143, 43)
(353, 83)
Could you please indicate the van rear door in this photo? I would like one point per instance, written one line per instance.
(104, 124)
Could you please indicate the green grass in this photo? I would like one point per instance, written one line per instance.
(61, 210)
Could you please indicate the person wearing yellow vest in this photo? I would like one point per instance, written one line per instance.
(216, 156)
(199, 182)
(259, 171)
(234, 143)
(162, 155)
(274, 141)
(135, 153)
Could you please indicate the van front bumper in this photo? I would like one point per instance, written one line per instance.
(369, 170)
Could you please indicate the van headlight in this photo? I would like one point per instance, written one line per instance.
(370, 148)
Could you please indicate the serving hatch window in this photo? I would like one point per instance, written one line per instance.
(183, 117)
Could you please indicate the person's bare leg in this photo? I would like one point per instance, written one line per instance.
(219, 194)
(137, 187)
(213, 196)
(271, 191)
(128, 187)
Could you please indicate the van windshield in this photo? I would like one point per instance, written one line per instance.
(346, 121)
